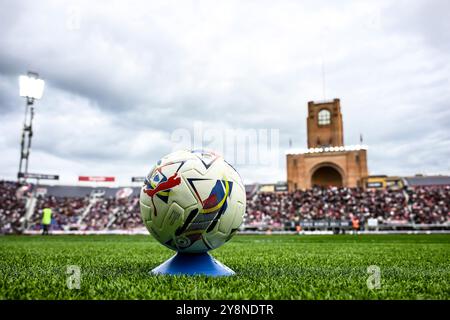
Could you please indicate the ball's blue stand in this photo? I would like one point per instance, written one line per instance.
(193, 264)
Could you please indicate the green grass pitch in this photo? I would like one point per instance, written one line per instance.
(267, 267)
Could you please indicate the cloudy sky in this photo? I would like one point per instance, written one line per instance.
(122, 77)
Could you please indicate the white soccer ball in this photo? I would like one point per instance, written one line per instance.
(192, 201)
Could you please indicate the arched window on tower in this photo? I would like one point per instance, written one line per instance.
(324, 117)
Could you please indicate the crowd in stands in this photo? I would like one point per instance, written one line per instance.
(89, 214)
(424, 205)
(66, 211)
(12, 207)
(430, 205)
(112, 213)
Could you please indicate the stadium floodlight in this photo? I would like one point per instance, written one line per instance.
(30, 86)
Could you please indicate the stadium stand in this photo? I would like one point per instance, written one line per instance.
(12, 207)
(418, 206)
(96, 209)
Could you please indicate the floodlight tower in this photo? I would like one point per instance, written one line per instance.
(32, 88)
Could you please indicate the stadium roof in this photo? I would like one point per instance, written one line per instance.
(428, 181)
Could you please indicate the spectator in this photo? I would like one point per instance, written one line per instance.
(425, 205)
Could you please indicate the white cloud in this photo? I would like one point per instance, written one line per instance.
(121, 77)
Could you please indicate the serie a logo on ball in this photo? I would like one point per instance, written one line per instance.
(193, 201)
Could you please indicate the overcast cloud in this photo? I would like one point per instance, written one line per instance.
(122, 76)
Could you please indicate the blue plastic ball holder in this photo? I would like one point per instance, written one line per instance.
(192, 264)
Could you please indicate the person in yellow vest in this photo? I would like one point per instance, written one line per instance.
(46, 220)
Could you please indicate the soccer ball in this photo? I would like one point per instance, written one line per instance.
(192, 201)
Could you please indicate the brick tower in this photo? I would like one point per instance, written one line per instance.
(327, 162)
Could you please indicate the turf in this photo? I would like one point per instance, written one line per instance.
(268, 267)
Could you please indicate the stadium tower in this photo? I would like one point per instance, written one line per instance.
(326, 162)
